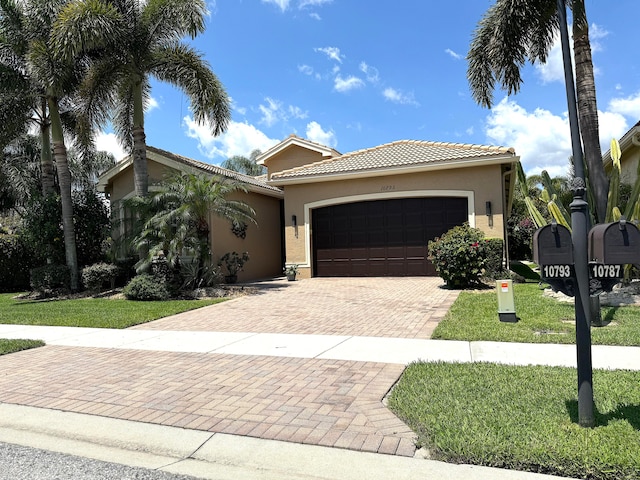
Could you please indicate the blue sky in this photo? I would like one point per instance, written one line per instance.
(353, 74)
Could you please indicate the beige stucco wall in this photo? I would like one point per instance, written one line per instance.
(263, 241)
(629, 165)
(292, 157)
(478, 184)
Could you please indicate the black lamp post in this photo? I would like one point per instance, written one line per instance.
(579, 225)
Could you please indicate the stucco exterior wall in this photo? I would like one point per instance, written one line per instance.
(292, 157)
(262, 241)
(478, 184)
(629, 165)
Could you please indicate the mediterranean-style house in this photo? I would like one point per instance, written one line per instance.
(365, 213)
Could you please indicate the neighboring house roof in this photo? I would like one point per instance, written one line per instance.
(401, 156)
(632, 137)
(172, 160)
(294, 140)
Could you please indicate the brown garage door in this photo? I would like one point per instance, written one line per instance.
(381, 237)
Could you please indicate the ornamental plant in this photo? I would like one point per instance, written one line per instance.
(459, 256)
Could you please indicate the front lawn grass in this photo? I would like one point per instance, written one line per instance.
(11, 346)
(522, 418)
(91, 312)
(474, 316)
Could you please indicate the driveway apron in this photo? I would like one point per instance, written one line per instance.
(315, 401)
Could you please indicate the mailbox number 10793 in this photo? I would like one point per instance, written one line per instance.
(556, 271)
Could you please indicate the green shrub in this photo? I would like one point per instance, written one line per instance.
(95, 276)
(146, 287)
(15, 262)
(50, 277)
(459, 256)
(494, 267)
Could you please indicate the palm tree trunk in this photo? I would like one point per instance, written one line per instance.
(46, 159)
(141, 178)
(64, 178)
(588, 119)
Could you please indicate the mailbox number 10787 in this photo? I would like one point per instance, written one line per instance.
(606, 271)
(556, 271)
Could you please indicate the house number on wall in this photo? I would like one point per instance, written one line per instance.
(386, 188)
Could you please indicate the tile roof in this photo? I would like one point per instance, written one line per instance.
(402, 153)
(215, 169)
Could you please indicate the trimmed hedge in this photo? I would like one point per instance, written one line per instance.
(96, 276)
(50, 277)
(494, 250)
(16, 259)
(146, 287)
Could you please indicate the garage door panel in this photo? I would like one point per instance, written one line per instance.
(382, 237)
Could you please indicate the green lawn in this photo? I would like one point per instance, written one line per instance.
(11, 346)
(522, 418)
(474, 316)
(91, 312)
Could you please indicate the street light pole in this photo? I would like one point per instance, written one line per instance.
(579, 224)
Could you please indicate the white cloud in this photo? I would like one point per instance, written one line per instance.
(333, 53)
(270, 112)
(152, 104)
(312, 3)
(470, 131)
(553, 69)
(453, 54)
(306, 69)
(343, 85)
(540, 138)
(315, 133)
(297, 112)
(397, 96)
(315, 16)
(240, 138)
(282, 4)
(371, 72)
(629, 106)
(109, 143)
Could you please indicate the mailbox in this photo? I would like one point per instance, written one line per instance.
(553, 252)
(552, 245)
(616, 243)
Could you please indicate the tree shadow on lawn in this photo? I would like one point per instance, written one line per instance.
(630, 413)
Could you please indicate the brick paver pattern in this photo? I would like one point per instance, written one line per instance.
(321, 402)
(408, 307)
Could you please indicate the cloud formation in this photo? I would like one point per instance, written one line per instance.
(333, 53)
(240, 138)
(453, 54)
(316, 133)
(344, 85)
(109, 143)
(397, 96)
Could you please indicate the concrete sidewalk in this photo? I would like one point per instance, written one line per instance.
(328, 347)
(219, 456)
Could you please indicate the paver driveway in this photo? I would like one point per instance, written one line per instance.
(322, 402)
(407, 307)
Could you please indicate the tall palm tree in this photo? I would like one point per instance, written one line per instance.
(514, 31)
(32, 59)
(184, 206)
(131, 41)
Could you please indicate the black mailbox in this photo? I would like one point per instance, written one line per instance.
(553, 252)
(552, 246)
(616, 243)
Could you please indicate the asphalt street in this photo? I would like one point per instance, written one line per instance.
(24, 463)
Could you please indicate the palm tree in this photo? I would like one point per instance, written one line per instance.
(248, 166)
(183, 206)
(514, 31)
(49, 84)
(131, 41)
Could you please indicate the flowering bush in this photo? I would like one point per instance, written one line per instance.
(459, 256)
